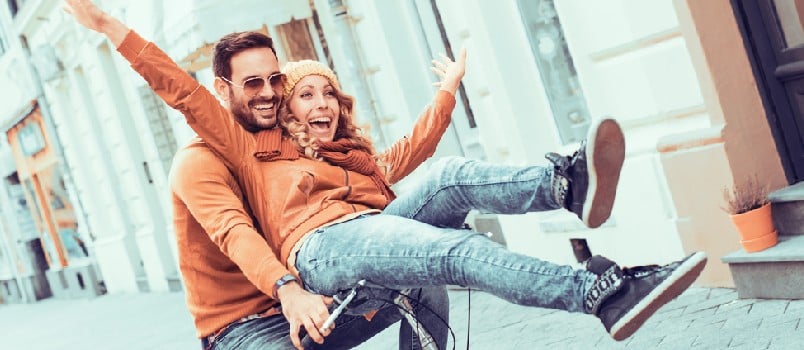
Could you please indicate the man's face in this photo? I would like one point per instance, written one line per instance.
(255, 110)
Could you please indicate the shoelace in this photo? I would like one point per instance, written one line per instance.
(563, 163)
(561, 177)
(642, 271)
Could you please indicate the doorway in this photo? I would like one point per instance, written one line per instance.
(774, 35)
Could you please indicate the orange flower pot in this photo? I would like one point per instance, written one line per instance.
(756, 229)
(760, 243)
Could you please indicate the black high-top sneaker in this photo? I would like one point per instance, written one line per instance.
(585, 183)
(624, 298)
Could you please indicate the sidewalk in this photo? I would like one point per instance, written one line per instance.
(699, 319)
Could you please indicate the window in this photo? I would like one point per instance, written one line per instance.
(160, 125)
(3, 43)
(556, 68)
(31, 139)
(15, 5)
(12, 6)
(297, 43)
(789, 16)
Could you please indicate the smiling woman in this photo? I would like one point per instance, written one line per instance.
(316, 110)
(315, 102)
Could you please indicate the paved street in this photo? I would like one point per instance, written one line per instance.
(699, 319)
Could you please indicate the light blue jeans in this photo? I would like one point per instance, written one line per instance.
(416, 242)
(272, 333)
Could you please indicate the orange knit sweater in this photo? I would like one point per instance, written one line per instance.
(217, 290)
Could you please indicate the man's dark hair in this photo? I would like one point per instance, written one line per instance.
(233, 43)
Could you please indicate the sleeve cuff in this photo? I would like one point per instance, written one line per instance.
(132, 46)
(445, 98)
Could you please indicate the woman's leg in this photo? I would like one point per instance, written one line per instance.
(401, 253)
(584, 183)
(454, 186)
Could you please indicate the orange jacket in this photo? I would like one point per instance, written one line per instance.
(211, 251)
(289, 196)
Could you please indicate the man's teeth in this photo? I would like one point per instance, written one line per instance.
(263, 107)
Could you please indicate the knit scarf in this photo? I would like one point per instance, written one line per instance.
(353, 157)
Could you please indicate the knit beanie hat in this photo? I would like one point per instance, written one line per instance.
(296, 71)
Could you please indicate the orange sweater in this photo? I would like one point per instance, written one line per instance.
(210, 251)
(290, 196)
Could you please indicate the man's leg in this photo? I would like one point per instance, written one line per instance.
(271, 333)
(401, 253)
(256, 334)
(430, 305)
(584, 183)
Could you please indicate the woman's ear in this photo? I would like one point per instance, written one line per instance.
(222, 89)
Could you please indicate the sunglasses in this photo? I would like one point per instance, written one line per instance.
(252, 86)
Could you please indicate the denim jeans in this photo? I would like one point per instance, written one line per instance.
(416, 241)
(272, 333)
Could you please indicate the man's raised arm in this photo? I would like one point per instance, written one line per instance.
(90, 16)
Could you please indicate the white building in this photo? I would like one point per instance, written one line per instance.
(537, 72)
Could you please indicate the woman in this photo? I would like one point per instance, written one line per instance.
(399, 249)
(327, 214)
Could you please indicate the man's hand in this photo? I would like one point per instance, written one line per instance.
(302, 308)
(86, 13)
(89, 15)
(450, 72)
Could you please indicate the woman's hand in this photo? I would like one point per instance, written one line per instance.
(450, 72)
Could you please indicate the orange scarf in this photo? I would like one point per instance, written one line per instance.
(354, 157)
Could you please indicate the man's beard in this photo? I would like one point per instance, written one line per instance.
(244, 114)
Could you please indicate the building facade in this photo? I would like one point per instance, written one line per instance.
(679, 76)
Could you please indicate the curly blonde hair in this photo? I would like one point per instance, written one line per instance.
(298, 131)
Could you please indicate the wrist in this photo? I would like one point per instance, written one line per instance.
(283, 281)
(115, 30)
(451, 88)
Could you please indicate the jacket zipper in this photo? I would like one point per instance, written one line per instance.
(348, 188)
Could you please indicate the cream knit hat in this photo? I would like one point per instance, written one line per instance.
(296, 71)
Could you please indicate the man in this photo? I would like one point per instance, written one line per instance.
(222, 255)
(208, 200)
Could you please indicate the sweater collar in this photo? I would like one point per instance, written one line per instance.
(272, 146)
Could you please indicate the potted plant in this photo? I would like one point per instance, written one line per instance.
(750, 211)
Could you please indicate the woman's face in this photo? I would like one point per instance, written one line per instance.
(315, 102)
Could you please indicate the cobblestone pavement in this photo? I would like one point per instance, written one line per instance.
(699, 319)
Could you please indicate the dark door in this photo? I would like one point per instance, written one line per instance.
(774, 35)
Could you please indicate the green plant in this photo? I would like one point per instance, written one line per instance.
(746, 197)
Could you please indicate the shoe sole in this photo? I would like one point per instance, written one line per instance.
(669, 289)
(605, 150)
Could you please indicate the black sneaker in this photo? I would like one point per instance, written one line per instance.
(586, 182)
(625, 298)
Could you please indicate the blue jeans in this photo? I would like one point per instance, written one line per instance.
(272, 333)
(404, 247)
